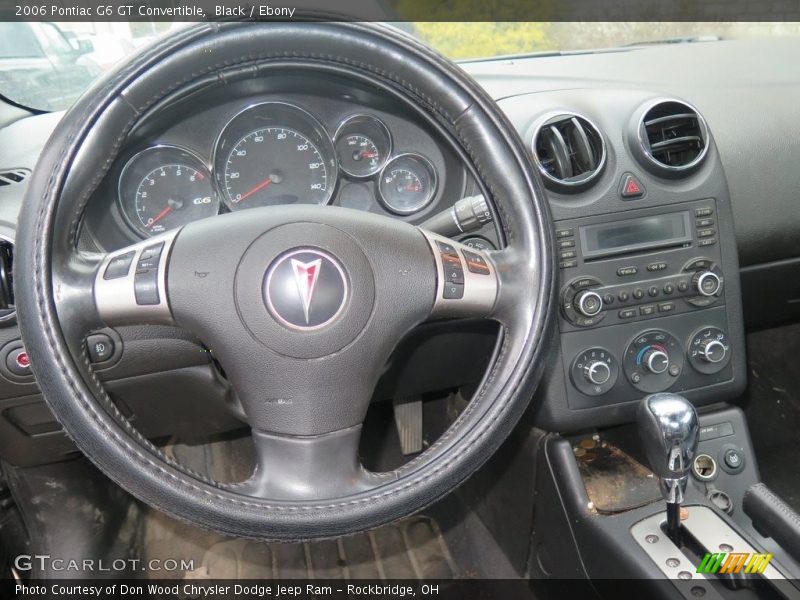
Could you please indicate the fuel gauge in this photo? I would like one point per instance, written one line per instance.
(407, 184)
(363, 144)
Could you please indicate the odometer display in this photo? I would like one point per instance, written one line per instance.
(272, 154)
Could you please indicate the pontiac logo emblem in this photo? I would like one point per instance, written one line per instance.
(305, 289)
(305, 275)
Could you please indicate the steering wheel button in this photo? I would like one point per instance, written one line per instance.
(145, 288)
(453, 291)
(18, 362)
(454, 274)
(447, 249)
(119, 266)
(476, 263)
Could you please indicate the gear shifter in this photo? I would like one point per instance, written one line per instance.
(668, 430)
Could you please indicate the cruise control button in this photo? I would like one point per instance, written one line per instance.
(145, 287)
(119, 266)
(453, 291)
(149, 258)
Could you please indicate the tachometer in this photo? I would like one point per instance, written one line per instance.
(165, 187)
(275, 153)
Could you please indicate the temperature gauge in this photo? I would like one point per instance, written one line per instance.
(363, 145)
(407, 184)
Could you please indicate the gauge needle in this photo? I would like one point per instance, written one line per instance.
(258, 188)
(160, 216)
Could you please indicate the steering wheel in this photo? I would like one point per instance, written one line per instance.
(301, 305)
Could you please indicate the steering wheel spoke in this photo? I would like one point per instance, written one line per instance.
(130, 285)
(467, 281)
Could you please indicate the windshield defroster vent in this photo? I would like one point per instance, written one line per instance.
(673, 136)
(12, 176)
(569, 151)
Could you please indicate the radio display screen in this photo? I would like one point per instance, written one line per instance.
(620, 237)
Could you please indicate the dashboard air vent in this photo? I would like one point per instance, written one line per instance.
(12, 176)
(673, 135)
(569, 151)
(7, 308)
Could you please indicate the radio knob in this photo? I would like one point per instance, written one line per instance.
(713, 351)
(588, 303)
(597, 372)
(707, 283)
(656, 361)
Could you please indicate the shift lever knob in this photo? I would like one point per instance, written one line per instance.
(668, 429)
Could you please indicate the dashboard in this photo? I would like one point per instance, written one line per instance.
(638, 242)
(241, 148)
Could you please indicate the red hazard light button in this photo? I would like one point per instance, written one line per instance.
(630, 187)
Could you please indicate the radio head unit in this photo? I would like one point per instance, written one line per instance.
(636, 235)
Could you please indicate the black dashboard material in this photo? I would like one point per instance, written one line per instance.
(745, 90)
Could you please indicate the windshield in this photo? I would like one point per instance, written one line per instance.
(46, 66)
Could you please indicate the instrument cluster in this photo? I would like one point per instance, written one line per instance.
(271, 153)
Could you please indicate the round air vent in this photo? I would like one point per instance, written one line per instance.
(672, 137)
(7, 307)
(569, 151)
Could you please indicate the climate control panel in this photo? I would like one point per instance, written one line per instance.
(607, 365)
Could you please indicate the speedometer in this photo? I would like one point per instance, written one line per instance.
(272, 154)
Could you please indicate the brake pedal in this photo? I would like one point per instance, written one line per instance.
(408, 419)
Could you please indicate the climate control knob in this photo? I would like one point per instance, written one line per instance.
(588, 303)
(713, 351)
(656, 361)
(597, 372)
(707, 283)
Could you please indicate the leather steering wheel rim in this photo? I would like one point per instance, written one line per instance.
(56, 300)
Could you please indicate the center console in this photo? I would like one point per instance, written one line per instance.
(649, 296)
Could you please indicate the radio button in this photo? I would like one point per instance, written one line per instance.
(568, 254)
(653, 291)
(564, 233)
(627, 271)
(566, 244)
(666, 307)
(568, 264)
(706, 242)
(704, 233)
(658, 266)
(608, 298)
(704, 222)
(703, 212)
(668, 288)
(623, 296)
(647, 310)
(638, 293)
(584, 282)
(683, 286)
(627, 313)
